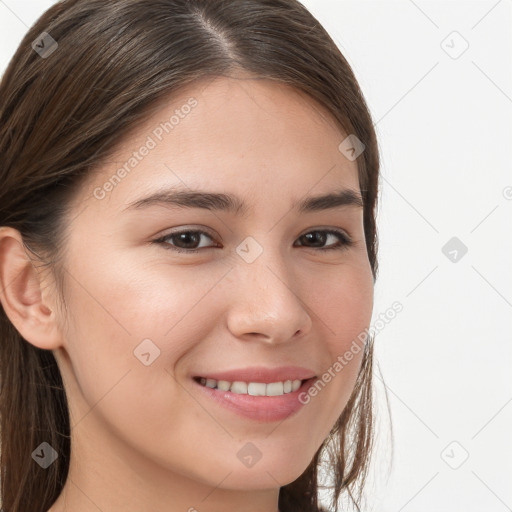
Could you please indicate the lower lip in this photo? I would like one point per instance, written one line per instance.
(259, 408)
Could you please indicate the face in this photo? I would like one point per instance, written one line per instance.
(162, 291)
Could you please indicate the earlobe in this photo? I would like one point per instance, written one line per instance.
(21, 293)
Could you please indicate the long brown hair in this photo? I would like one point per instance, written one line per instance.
(63, 113)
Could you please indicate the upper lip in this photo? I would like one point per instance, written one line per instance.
(261, 374)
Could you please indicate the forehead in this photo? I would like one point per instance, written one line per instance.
(241, 134)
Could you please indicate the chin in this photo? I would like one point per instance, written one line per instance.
(263, 478)
(264, 474)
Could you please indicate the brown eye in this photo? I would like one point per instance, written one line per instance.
(320, 237)
(184, 241)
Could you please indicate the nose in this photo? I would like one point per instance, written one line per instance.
(265, 305)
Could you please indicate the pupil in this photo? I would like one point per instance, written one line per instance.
(184, 236)
(320, 237)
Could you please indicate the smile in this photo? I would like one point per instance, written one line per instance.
(257, 401)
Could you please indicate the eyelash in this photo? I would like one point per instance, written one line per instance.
(344, 243)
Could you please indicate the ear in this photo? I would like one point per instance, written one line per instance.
(22, 289)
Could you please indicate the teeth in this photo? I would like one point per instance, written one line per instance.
(239, 388)
(296, 385)
(223, 385)
(253, 388)
(256, 389)
(275, 389)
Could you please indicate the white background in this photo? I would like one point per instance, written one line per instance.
(444, 123)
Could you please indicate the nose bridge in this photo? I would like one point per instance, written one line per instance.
(266, 302)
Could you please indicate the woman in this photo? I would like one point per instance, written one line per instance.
(187, 258)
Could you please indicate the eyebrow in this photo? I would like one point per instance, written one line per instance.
(233, 204)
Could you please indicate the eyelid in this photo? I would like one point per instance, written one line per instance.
(197, 228)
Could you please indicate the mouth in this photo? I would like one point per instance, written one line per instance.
(256, 401)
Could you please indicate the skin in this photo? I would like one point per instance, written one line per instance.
(144, 438)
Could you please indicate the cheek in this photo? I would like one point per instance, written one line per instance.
(342, 304)
(140, 319)
(120, 306)
(343, 309)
